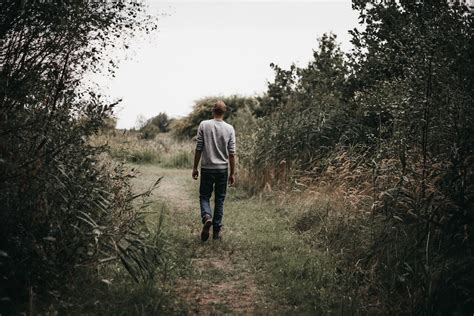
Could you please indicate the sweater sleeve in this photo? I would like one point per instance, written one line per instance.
(231, 144)
(200, 138)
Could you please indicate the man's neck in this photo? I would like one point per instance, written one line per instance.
(219, 118)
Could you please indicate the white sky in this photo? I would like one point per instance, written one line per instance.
(207, 48)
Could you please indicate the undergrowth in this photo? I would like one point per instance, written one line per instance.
(163, 149)
(113, 290)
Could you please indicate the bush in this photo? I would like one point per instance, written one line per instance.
(390, 127)
(202, 110)
(158, 124)
(163, 150)
(303, 117)
(64, 208)
(149, 131)
(162, 121)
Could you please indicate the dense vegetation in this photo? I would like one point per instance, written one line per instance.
(389, 127)
(368, 156)
(240, 110)
(392, 123)
(158, 124)
(67, 212)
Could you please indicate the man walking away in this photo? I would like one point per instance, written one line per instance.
(216, 146)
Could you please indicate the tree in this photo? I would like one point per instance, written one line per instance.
(412, 77)
(161, 121)
(150, 128)
(303, 109)
(279, 91)
(202, 110)
(62, 208)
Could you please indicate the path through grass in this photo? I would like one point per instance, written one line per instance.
(262, 266)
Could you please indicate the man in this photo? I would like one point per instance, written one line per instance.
(216, 146)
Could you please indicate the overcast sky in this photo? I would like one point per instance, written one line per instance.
(207, 48)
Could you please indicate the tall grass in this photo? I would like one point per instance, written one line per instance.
(117, 292)
(163, 150)
(394, 142)
(182, 159)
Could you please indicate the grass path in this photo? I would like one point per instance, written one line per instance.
(219, 278)
(262, 265)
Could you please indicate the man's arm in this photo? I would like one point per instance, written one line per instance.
(198, 151)
(197, 157)
(232, 169)
(231, 149)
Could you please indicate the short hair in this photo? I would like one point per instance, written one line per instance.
(219, 108)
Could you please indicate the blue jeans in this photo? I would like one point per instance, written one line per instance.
(213, 180)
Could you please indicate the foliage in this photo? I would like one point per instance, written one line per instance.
(149, 131)
(187, 127)
(162, 121)
(319, 86)
(418, 84)
(157, 124)
(110, 124)
(304, 114)
(391, 126)
(64, 209)
(163, 150)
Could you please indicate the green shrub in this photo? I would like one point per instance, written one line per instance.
(162, 121)
(157, 124)
(149, 131)
(164, 149)
(65, 209)
(202, 110)
(391, 127)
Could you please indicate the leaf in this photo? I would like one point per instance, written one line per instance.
(398, 218)
(108, 282)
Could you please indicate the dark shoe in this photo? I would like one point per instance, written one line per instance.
(205, 228)
(216, 235)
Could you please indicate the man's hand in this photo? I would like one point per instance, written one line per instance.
(231, 180)
(195, 174)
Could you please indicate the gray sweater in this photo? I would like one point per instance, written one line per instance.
(216, 140)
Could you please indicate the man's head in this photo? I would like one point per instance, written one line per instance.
(219, 109)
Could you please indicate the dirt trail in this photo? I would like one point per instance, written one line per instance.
(221, 279)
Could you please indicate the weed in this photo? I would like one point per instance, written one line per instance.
(179, 160)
